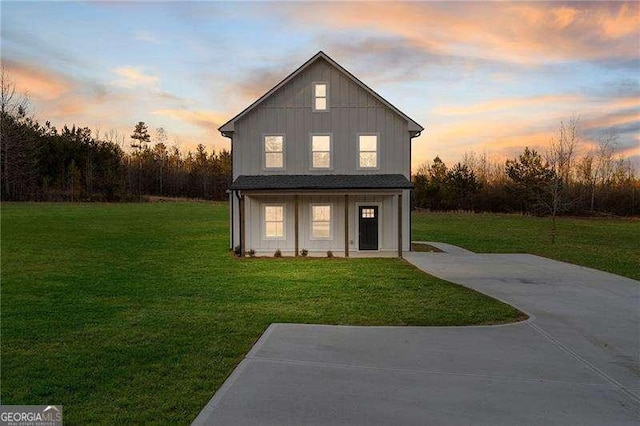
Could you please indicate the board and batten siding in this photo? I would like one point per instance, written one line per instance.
(352, 111)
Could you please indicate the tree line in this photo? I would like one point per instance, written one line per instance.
(42, 163)
(561, 180)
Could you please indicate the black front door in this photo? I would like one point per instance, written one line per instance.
(368, 227)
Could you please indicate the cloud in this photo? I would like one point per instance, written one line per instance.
(38, 82)
(132, 77)
(204, 119)
(507, 104)
(527, 33)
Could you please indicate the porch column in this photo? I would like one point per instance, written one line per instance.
(400, 225)
(346, 225)
(242, 226)
(295, 223)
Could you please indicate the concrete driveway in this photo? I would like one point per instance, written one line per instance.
(575, 361)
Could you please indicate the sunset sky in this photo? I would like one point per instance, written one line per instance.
(490, 77)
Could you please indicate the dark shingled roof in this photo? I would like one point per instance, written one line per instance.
(321, 182)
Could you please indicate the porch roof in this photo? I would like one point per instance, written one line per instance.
(286, 182)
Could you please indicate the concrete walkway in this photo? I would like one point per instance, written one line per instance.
(575, 361)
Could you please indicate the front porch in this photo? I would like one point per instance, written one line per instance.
(371, 223)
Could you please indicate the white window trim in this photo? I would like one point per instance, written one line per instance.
(357, 227)
(263, 222)
(264, 153)
(311, 135)
(378, 143)
(331, 222)
(313, 96)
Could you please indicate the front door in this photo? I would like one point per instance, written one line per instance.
(368, 227)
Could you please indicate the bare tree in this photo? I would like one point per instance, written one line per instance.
(560, 158)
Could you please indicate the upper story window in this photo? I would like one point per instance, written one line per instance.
(320, 151)
(274, 152)
(274, 221)
(368, 151)
(321, 221)
(320, 97)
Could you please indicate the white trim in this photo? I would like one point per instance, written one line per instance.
(313, 96)
(378, 156)
(331, 222)
(264, 153)
(315, 169)
(263, 221)
(357, 225)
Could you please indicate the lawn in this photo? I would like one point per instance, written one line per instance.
(136, 313)
(611, 245)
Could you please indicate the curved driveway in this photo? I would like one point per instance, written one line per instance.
(575, 361)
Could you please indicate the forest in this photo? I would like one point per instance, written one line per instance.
(39, 162)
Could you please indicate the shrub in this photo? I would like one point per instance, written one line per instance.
(278, 253)
(304, 252)
(329, 253)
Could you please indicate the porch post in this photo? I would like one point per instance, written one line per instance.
(400, 225)
(242, 226)
(346, 225)
(295, 223)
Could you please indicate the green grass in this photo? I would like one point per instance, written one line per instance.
(136, 313)
(611, 245)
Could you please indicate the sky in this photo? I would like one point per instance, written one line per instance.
(483, 77)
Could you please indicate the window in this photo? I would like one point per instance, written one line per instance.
(320, 97)
(274, 152)
(274, 221)
(368, 151)
(368, 213)
(320, 151)
(321, 221)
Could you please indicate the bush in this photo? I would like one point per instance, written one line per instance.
(278, 253)
(329, 253)
(304, 252)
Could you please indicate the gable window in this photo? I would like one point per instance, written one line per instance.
(368, 151)
(320, 97)
(320, 151)
(274, 152)
(321, 221)
(274, 221)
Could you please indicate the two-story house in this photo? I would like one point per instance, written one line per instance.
(321, 163)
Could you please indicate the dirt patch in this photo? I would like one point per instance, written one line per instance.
(422, 247)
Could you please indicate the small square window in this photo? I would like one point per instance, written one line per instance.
(368, 213)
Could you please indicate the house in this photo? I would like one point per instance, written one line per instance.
(321, 162)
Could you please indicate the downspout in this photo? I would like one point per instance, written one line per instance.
(410, 197)
(239, 223)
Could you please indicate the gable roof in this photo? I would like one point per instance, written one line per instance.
(280, 182)
(414, 128)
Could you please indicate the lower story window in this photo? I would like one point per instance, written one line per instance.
(274, 221)
(321, 221)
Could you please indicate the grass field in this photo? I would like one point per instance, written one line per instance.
(136, 313)
(611, 245)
